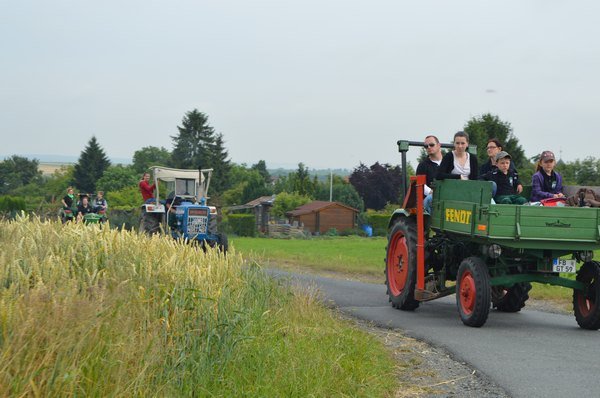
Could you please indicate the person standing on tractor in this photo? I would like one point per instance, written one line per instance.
(546, 183)
(146, 189)
(429, 167)
(459, 164)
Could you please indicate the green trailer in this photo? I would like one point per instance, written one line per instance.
(493, 252)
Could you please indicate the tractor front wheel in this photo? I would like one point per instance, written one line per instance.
(401, 265)
(586, 304)
(473, 293)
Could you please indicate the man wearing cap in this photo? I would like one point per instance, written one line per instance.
(546, 183)
(506, 179)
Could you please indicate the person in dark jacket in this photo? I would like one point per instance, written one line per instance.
(429, 167)
(459, 164)
(494, 146)
(84, 207)
(546, 183)
(506, 180)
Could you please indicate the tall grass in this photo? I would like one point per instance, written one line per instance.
(86, 311)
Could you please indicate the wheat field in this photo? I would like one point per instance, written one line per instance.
(90, 311)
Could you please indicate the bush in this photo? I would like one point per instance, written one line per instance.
(11, 204)
(379, 222)
(241, 224)
(128, 219)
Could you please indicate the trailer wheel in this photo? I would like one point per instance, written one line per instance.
(511, 299)
(585, 304)
(473, 293)
(401, 265)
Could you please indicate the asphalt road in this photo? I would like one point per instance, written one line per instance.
(529, 354)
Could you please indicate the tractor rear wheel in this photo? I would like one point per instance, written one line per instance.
(473, 293)
(511, 299)
(401, 265)
(223, 243)
(150, 223)
(586, 305)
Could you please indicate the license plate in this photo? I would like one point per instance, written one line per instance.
(562, 265)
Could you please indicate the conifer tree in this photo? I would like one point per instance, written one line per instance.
(90, 167)
(198, 146)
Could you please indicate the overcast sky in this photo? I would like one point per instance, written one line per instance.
(326, 83)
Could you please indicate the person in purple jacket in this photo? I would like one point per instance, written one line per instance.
(546, 183)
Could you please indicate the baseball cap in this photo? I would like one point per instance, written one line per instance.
(547, 155)
(502, 155)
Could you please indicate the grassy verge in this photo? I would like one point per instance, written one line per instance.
(360, 258)
(99, 312)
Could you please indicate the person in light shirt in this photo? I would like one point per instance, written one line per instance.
(459, 164)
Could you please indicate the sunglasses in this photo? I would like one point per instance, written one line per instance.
(430, 145)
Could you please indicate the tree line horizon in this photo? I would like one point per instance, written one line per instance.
(196, 144)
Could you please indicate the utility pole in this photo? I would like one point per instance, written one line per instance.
(330, 185)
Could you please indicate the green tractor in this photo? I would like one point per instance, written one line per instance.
(493, 252)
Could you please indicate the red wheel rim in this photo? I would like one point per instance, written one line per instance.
(467, 293)
(585, 304)
(397, 264)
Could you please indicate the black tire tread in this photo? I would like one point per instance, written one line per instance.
(406, 300)
(514, 299)
(587, 272)
(483, 296)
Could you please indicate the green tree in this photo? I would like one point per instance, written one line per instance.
(487, 126)
(150, 156)
(116, 178)
(261, 167)
(298, 182)
(90, 167)
(285, 202)
(17, 171)
(198, 146)
(220, 164)
(56, 185)
(247, 184)
(341, 191)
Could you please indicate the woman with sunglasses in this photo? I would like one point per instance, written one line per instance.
(546, 183)
(458, 164)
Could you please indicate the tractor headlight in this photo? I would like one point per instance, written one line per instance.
(494, 251)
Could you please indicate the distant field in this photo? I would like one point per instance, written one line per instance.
(49, 168)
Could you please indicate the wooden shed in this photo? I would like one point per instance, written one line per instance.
(320, 217)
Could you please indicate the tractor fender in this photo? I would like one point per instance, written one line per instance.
(397, 214)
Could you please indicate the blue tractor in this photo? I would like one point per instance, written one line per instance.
(184, 212)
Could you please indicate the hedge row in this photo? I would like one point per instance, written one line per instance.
(10, 204)
(241, 224)
(379, 223)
